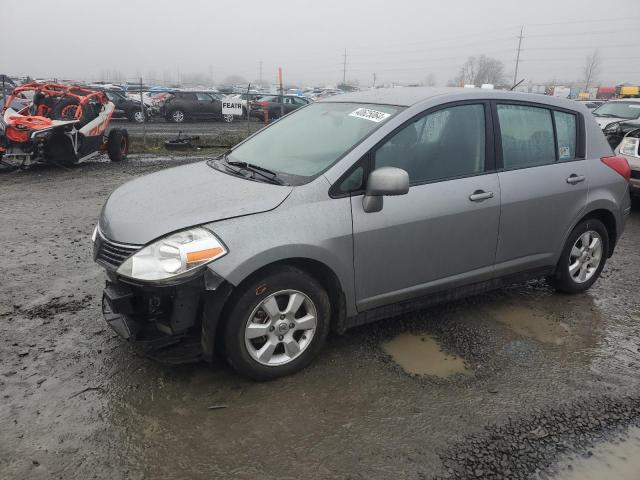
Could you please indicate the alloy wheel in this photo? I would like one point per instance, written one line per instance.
(585, 256)
(228, 118)
(138, 117)
(280, 328)
(177, 116)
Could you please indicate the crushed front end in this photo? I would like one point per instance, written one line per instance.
(172, 323)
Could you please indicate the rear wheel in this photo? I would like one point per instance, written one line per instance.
(227, 118)
(583, 257)
(177, 116)
(118, 145)
(277, 325)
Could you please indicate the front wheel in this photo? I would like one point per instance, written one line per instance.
(137, 116)
(227, 118)
(583, 257)
(277, 325)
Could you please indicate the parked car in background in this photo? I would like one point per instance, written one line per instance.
(246, 99)
(182, 106)
(355, 209)
(591, 104)
(611, 114)
(273, 104)
(629, 148)
(126, 107)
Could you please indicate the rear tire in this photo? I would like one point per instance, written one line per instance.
(177, 116)
(292, 310)
(227, 118)
(583, 257)
(118, 144)
(137, 116)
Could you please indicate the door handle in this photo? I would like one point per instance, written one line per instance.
(480, 195)
(573, 179)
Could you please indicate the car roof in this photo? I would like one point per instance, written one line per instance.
(408, 96)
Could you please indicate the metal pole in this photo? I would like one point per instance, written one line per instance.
(515, 75)
(247, 109)
(281, 92)
(144, 118)
(344, 68)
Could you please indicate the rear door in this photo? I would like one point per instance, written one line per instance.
(543, 183)
(205, 105)
(443, 233)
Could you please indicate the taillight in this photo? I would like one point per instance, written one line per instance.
(619, 164)
(262, 104)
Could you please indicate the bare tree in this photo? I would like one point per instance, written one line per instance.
(479, 70)
(592, 66)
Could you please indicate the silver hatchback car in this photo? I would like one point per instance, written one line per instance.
(353, 209)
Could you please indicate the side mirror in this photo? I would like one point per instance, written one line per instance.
(384, 181)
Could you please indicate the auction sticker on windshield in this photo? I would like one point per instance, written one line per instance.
(369, 114)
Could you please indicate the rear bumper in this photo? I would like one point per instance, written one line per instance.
(172, 324)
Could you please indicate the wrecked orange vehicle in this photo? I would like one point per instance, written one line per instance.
(64, 124)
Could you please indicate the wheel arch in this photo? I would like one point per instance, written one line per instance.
(320, 271)
(609, 221)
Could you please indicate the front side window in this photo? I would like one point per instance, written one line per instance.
(566, 132)
(307, 142)
(527, 136)
(444, 144)
(203, 97)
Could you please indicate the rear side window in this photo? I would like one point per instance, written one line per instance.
(444, 144)
(566, 131)
(527, 136)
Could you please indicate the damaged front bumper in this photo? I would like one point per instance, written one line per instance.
(172, 323)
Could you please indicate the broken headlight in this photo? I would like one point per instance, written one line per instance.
(173, 255)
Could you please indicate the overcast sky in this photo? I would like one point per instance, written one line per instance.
(398, 40)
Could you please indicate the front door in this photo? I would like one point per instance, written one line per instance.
(443, 233)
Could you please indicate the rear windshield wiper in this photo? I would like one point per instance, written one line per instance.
(256, 169)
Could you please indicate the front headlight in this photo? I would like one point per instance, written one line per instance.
(173, 255)
(629, 146)
(612, 127)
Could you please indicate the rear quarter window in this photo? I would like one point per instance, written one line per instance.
(566, 130)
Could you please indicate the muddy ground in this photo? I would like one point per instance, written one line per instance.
(519, 383)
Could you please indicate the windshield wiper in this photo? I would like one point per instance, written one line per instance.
(265, 173)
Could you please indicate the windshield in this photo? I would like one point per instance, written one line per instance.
(630, 110)
(302, 145)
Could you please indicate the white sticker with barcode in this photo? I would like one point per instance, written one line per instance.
(369, 114)
(565, 152)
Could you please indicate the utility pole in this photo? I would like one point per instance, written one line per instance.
(515, 75)
(260, 76)
(374, 80)
(344, 68)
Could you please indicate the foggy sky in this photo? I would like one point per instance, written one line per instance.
(399, 40)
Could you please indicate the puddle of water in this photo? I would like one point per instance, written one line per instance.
(421, 355)
(530, 323)
(609, 460)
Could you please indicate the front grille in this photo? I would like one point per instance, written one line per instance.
(111, 254)
(635, 174)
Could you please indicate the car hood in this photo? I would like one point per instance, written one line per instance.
(160, 203)
(604, 121)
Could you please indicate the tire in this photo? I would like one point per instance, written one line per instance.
(118, 144)
(576, 258)
(177, 116)
(63, 109)
(274, 289)
(137, 116)
(227, 118)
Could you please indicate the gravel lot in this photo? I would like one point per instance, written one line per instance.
(545, 377)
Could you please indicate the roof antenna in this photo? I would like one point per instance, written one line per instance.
(517, 84)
